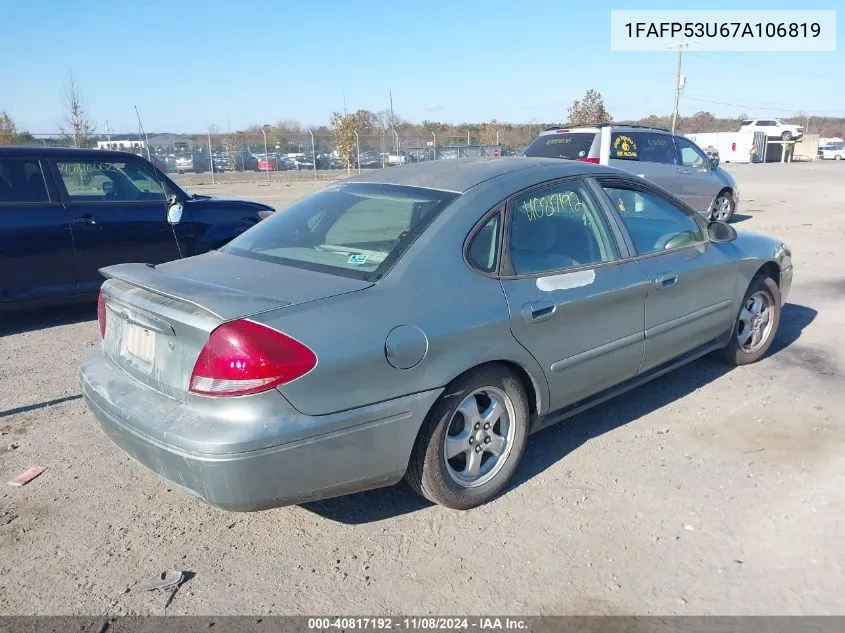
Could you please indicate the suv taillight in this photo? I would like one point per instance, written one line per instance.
(243, 357)
(595, 161)
(101, 314)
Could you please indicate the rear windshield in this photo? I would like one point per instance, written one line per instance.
(572, 145)
(356, 230)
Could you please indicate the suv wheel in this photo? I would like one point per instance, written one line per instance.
(786, 136)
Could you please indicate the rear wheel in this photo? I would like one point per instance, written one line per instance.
(756, 323)
(472, 440)
(723, 207)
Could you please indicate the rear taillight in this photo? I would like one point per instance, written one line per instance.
(594, 161)
(243, 357)
(101, 314)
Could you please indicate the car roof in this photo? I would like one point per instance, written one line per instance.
(595, 127)
(62, 152)
(462, 174)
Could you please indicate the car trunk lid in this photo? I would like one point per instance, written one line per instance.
(158, 318)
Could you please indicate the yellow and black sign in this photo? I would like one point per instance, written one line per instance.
(624, 147)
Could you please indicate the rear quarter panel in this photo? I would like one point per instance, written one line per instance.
(463, 315)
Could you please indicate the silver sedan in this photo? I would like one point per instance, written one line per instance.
(418, 322)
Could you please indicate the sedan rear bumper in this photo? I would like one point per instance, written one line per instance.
(370, 450)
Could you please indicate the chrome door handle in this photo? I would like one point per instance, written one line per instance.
(666, 280)
(537, 311)
(85, 219)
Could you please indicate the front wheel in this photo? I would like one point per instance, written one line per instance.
(786, 136)
(472, 439)
(756, 324)
(837, 157)
(723, 207)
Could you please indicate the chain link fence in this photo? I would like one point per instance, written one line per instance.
(306, 153)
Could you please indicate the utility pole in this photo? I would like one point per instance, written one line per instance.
(108, 132)
(392, 129)
(680, 48)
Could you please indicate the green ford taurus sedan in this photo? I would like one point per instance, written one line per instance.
(418, 322)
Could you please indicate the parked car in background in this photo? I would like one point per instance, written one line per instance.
(773, 128)
(220, 372)
(196, 162)
(268, 162)
(672, 161)
(66, 213)
(300, 161)
(245, 161)
(221, 162)
(370, 159)
(832, 151)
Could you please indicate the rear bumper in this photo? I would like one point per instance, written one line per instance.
(342, 453)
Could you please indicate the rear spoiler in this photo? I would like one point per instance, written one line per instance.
(220, 301)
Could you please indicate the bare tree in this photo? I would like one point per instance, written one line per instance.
(76, 124)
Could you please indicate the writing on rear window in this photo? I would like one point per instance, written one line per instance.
(560, 140)
(551, 205)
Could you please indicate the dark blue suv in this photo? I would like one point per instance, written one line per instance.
(66, 213)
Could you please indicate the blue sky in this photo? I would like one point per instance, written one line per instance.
(455, 61)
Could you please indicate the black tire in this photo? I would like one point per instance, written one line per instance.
(786, 136)
(727, 195)
(428, 473)
(734, 353)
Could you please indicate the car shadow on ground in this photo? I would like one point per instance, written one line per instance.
(550, 445)
(40, 318)
(736, 218)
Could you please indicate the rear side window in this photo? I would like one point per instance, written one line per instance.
(648, 147)
(22, 181)
(356, 230)
(484, 249)
(571, 145)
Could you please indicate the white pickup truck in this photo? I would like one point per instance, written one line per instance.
(774, 128)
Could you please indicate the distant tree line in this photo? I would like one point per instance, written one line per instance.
(376, 128)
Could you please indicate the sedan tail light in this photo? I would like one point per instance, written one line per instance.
(101, 314)
(243, 357)
(594, 161)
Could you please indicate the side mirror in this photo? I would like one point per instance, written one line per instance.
(174, 210)
(720, 232)
(714, 162)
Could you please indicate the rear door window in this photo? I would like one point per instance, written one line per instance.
(648, 147)
(570, 145)
(21, 181)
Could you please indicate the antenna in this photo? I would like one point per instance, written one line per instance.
(142, 131)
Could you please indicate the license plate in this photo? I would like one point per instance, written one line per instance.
(139, 343)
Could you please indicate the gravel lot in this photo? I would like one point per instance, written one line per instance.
(710, 491)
